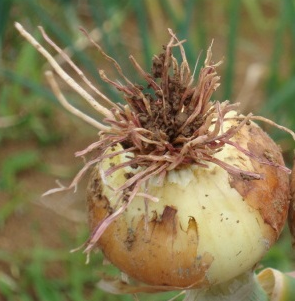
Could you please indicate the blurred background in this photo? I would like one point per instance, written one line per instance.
(38, 138)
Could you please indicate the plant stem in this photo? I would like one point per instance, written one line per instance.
(243, 288)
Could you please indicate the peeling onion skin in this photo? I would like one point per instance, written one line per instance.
(208, 226)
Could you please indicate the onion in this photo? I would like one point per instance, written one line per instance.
(186, 193)
(206, 227)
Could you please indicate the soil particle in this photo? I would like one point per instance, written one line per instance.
(130, 239)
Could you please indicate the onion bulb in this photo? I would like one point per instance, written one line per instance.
(205, 227)
(185, 191)
(195, 195)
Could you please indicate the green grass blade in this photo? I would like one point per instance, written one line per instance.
(98, 15)
(35, 87)
(142, 21)
(234, 17)
(290, 14)
(14, 164)
(114, 14)
(278, 50)
(189, 10)
(5, 8)
(172, 15)
(44, 289)
(201, 25)
(256, 13)
(280, 97)
(183, 30)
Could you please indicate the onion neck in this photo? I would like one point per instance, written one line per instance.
(245, 287)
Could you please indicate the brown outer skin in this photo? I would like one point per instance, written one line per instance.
(291, 218)
(139, 251)
(271, 195)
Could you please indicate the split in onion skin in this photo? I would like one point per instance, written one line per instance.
(208, 226)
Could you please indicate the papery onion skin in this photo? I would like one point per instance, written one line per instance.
(208, 226)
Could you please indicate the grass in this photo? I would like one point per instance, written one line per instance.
(244, 32)
(32, 281)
